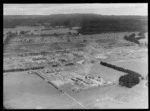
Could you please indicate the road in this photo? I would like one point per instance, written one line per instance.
(60, 90)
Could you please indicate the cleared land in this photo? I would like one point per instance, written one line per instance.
(30, 91)
(72, 77)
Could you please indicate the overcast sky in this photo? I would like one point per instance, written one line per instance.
(97, 8)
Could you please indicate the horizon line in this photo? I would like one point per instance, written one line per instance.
(66, 14)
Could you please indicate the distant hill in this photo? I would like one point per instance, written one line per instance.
(90, 23)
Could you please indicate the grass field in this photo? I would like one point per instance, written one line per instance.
(30, 91)
(138, 65)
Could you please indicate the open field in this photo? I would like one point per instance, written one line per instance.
(32, 93)
(138, 65)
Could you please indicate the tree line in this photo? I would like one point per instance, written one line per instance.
(128, 80)
(133, 38)
(23, 69)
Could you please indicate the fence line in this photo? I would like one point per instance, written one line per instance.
(61, 90)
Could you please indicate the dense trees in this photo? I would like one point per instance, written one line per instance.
(69, 64)
(133, 38)
(129, 80)
(23, 32)
(111, 24)
(89, 23)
